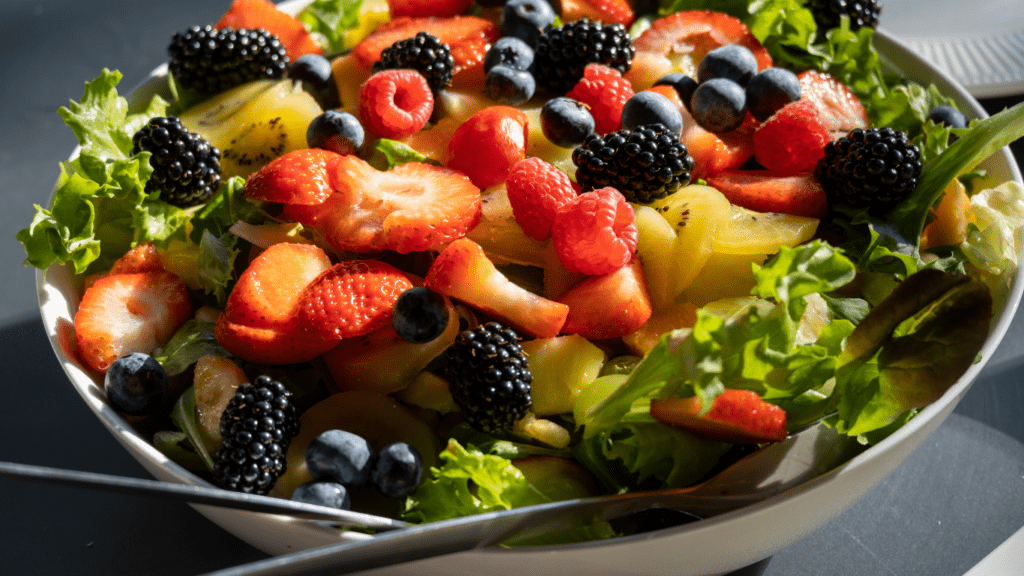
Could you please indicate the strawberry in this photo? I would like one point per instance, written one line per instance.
(462, 271)
(420, 8)
(594, 233)
(713, 153)
(350, 299)
(124, 313)
(536, 190)
(609, 306)
(260, 320)
(288, 344)
(290, 31)
(605, 11)
(767, 191)
(488, 144)
(605, 92)
(838, 108)
(298, 177)
(267, 292)
(738, 416)
(469, 37)
(395, 103)
(698, 32)
(141, 258)
(412, 207)
(792, 140)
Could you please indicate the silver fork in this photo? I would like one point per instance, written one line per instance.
(762, 474)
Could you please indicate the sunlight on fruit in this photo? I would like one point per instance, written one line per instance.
(654, 248)
(697, 213)
(750, 232)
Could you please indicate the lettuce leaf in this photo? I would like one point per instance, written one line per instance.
(193, 340)
(327, 21)
(100, 207)
(469, 482)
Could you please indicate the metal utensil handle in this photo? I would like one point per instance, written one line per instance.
(196, 495)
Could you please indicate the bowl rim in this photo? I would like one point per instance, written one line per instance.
(884, 44)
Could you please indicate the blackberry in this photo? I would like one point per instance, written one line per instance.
(186, 168)
(257, 426)
(562, 53)
(423, 53)
(210, 60)
(489, 377)
(827, 13)
(644, 164)
(874, 168)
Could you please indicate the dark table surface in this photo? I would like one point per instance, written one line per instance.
(949, 505)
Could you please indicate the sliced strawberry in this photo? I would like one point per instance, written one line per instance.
(264, 14)
(605, 11)
(697, 32)
(713, 153)
(767, 191)
(410, 208)
(420, 8)
(141, 258)
(288, 344)
(124, 313)
(462, 271)
(738, 416)
(488, 144)
(608, 306)
(350, 299)
(469, 37)
(299, 177)
(267, 293)
(838, 108)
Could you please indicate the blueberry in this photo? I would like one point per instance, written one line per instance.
(525, 19)
(136, 384)
(683, 84)
(947, 115)
(398, 470)
(336, 131)
(732, 61)
(566, 122)
(771, 89)
(316, 75)
(329, 494)
(342, 456)
(718, 105)
(509, 51)
(651, 108)
(509, 86)
(420, 315)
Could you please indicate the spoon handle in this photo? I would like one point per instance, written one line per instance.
(196, 495)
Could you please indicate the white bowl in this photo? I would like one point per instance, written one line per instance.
(715, 546)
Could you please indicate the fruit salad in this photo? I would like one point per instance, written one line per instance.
(429, 259)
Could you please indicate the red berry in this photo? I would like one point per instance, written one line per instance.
(421, 8)
(792, 140)
(839, 109)
(536, 190)
(488, 144)
(594, 233)
(605, 91)
(395, 103)
(352, 298)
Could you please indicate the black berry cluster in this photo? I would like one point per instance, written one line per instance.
(257, 426)
(489, 377)
(869, 168)
(424, 53)
(644, 164)
(562, 53)
(186, 168)
(210, 60)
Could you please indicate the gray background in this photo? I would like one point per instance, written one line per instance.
(953, 502)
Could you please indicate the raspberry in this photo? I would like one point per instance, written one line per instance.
(594, 233)
(395, 103)
(792, 140)
(605, 91)
(536, 190)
